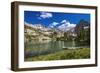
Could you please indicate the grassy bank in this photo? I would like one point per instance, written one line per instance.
(82, 53)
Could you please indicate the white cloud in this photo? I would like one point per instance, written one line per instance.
(45, 15)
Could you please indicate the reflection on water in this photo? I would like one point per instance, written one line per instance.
(35, 48)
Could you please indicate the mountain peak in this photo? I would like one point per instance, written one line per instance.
(86, 23)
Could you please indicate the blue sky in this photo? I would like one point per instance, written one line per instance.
(55, 18)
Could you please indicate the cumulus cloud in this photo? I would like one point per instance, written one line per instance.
(45, 15)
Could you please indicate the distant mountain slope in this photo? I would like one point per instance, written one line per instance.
(62, 26)
(82, 26)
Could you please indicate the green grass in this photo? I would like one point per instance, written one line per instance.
(82, 53)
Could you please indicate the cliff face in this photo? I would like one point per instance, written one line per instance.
(40, 32)
(83, 25)
(36, 32)
(83, 32)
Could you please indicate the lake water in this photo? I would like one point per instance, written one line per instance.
(35, 48)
